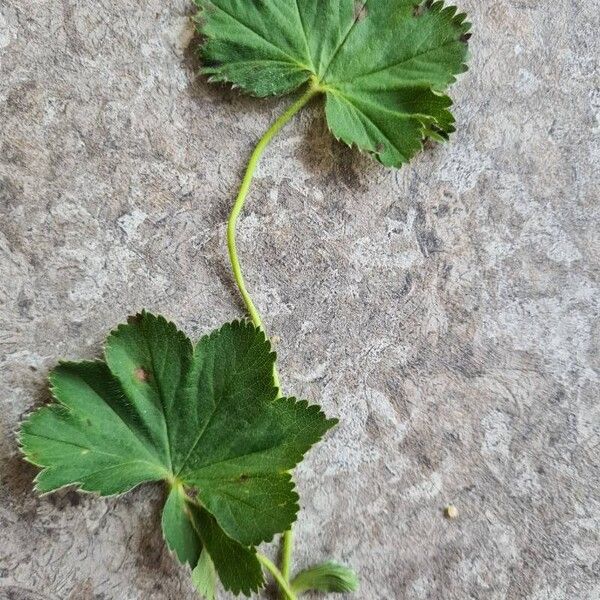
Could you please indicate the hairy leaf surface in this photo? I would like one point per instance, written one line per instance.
(204, 418)
(204, 577)
(383, 65)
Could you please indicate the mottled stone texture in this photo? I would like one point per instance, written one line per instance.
(446, 312)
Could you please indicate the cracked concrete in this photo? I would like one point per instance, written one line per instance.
(446, 312)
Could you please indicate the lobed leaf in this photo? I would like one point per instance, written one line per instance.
(383, 65)
(205, 419)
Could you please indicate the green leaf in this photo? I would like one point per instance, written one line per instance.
(383, 65)
(206, 419)
(196, 538)
(84, 439)
(238, 567)
(204, 577)
(326, 577)
(178, 527)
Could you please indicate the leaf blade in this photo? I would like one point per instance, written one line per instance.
(178, 528)
(242, 479)
(238, 567)
(239, 34)
(82, 438)
(149, 357)
(204, 577)
(206, 421)
(418, 53)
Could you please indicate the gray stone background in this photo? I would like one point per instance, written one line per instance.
(446, 312)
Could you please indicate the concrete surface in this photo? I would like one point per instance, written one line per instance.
(447, 312)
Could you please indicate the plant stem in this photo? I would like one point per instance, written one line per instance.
(241, 199)
(282, 576)
(286, 590)
(287, 543)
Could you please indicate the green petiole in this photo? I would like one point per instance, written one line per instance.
(286, 590)
(277, 125)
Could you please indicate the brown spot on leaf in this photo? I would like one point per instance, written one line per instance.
(465, 37)
(360, 11)
(243, 478)
(141, 374)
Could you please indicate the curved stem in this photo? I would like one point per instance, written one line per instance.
(241, 198)
(282, 576)
(286, 590)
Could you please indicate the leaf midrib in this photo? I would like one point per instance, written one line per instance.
(258, 35)
(197, 441)
(212, 413)
(396, 64)
(305, 36)
(161, 395)
(95, 450)
(355, 20)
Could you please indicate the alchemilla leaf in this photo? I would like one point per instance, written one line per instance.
(204, 577)
(383, 65)
(206, 419)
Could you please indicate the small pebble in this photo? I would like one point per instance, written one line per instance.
(451, 511)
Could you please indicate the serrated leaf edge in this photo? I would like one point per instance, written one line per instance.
(236, 323)
(439, 6)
